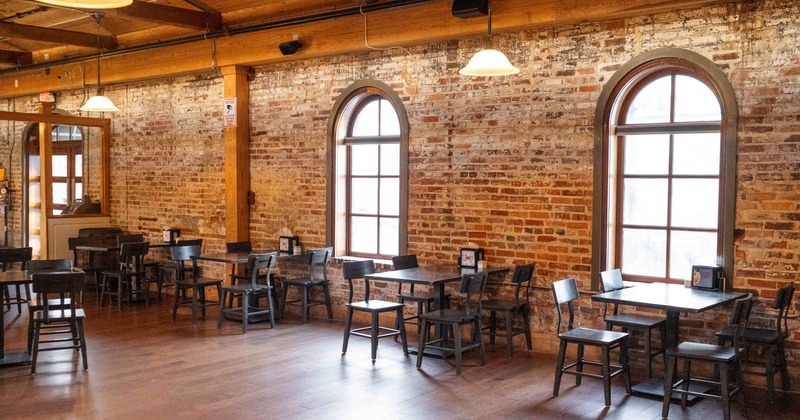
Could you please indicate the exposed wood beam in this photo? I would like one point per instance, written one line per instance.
(58, 36)
(237, 156)
(15, 58)
(201, 5)
(169, 15)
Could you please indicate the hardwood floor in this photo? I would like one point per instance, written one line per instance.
(142, 365)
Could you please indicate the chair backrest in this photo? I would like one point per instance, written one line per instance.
(565, 291)
(611, 280)
(182, 253)
(783, 301)
(12, 255)
(522, 278)
(239, 246)
(402, 262)
(352, 270)
(132, 256)
(257, 263)
(61, 284)
(190, 241)
(318, 260)
(740, 317)
(128, 238)
(472, 286)
(50, 265)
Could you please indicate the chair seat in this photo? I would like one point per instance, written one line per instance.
(447, 315)
(375, 306)
(54, 303)
(421, 296)
(307, 282)
(703, 351)
(592, 336)
(635, 321)
(502, 305)
(754, 335)
(242, 288)
(198, 282)
(59, 315)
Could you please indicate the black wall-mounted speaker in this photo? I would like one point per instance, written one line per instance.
(470, 8)
(291, 47)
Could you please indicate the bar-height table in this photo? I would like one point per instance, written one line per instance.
(672, 298)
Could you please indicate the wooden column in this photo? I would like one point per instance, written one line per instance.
(45, 175)
(237, 156)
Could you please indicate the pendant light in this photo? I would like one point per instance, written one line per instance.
(89, 4)
(489, 61)
(98, 103)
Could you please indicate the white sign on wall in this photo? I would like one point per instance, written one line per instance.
(229, 112)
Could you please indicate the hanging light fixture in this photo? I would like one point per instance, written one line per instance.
(489, 61)
(98, 103)
(89, 4)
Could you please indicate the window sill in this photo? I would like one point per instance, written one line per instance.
(383, 265)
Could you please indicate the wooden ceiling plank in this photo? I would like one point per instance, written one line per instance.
(16, 58)
(61, 36)
(169, 15)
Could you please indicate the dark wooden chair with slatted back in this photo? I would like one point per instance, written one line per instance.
(352, 271)
(317, 277)
(50, 321)
(85, 262)
(9, 256)
(35, 304)
(725, 359)
(129, 281)
(166, 269)
(566, 292)
(472, 287)
(772, 342)
(643, 324)
(424, 299)
(244, 246)
(258, 265)
(191, 281)
(518, 308)
(138, 237)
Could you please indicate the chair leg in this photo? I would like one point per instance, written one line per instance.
(479, 337)
(19, 299)
(36, 332)
(402, 318)
(305, 304)
(669, 379)
(194, 305)
(579, 366)
(606, 373)
(769, 368)
(221, 309)
(120, 288)
(526, 319)
(723, 391)
(326, 291)
(283, 299)
(102, 290)
(178, 291)
(201, 294)
(687, 378)
(347, 325)
(402, 331)
(457, 347)
(738, 374)
(374, 335)
(562, 352)
(423, 335)
(648, 354)
(509, 334)
(624, 360)
(30, 330)
(492, 326)
(271, 307)
(245, 310)
(7, 298)
(82, 338)
(781, 353)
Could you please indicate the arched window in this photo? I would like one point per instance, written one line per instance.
(665, 168)
(367, 206)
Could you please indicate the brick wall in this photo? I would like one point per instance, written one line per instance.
(505, 163)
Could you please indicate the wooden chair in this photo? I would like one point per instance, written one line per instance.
(131, 280)
(52, 320)
(565, 292)
(36, 304)
(166, 269)
(357, 270)
(257, 264)
(317, 261)
(138, 237)
(423, 299)
(644, 324)
(9, 256)
(89, 266)
(519, 307)
(472, 286)
(244, 246)
(725, 359)
(772, 341)
(195, 283)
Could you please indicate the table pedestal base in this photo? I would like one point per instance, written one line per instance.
(15, 359)
(655, 388)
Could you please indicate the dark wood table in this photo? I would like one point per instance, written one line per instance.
(672, 298)
(240, 257)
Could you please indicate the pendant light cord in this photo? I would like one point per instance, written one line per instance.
(97, 19)
(489, 41)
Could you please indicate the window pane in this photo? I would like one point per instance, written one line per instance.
(33, 166)
(695, 203)
(79, 165)
(364, 234)
(390, 196)
(651, 104)
(647, 155)
(78, 190)
(60, 165)
(364, 159)
(364, 196)
(366, 123)
(645, 202)
(390, 125)
(696, 154)
(59, 193)
(691, 248)
(389, 235)
(76, 133)
(694, 101)
(644, 252)
(390, 159)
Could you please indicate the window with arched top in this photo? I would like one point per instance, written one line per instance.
(664, 168)
(368, 182)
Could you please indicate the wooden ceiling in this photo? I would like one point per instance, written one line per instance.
(48, 48)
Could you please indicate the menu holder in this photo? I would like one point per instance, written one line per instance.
(288, 243)
(469, 257)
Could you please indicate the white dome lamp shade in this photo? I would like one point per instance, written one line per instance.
(98, 103)
(88, 4)
(489, 61)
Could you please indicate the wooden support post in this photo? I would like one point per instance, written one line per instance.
(237, 155)
(45, 175)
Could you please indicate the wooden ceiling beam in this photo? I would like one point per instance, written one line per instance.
(169, 15)
(59, 36)
(15, 58)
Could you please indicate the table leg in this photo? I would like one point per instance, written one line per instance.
(673, 328)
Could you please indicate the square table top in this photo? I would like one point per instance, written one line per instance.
(26, 276)
(430, 275)
(116, 248)
(669, 297)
